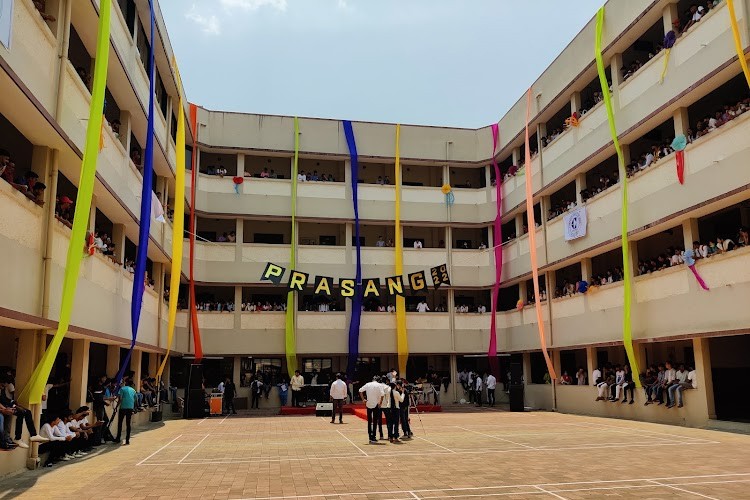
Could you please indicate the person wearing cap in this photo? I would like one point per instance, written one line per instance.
(372, 394)
(338, 394)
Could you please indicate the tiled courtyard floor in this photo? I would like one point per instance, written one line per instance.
(476, 454)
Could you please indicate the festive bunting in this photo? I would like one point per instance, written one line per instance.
(531, 222)
(139, 277)
(669, 40)
(290, 340)
(738, 40)
(197, 345)
(32, 392)
(356, 316)
(627, 335)
(497, 237)
(178, 222)
(402, 341)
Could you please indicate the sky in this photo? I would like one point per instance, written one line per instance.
(460, 63)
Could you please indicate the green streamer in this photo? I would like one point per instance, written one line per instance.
(290, 340)
(32, 392)
(627, 333)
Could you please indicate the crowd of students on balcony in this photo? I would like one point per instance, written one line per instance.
(28, 184)
(676, 256)
(693, 15)
(661, 383)
(604, 183)
(260, 306)
(560, 208)
(230, 237)
(721, 117)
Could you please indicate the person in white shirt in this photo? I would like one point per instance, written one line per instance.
(385, 407)
(338, 394)
(372, 394)
(380, 243)
(478, 389)
(220, 387)
(417, 243)
(59, 443)
(391, 308)
(396, 396)
(491, 384)
(297, 384)
(422, 307)
(481, 309)
(683, 380)
(669, 377)
(619, 381)
(600, 383)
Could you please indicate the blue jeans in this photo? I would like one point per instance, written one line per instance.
(282, 396)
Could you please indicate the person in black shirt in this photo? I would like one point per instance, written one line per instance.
(9, 408)
(229, 392)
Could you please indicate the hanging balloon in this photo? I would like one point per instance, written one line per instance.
(448, 192)
(679, 144)
(237, 182)
(520, 305)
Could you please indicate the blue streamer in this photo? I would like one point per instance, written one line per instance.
(450, 198)
(139, 277)
(357, 300)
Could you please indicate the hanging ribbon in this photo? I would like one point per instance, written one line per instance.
(738, 40)
(531, 221)
(669, 40)
(197, 345)
(627, 334)
(238, 181)
(356, 317)
(139, 278)
(690, 262)
(402, 340)
(290, 340)
(32, 392)
(679, 144)
(449, 196)
(178, 223)
(497, 242)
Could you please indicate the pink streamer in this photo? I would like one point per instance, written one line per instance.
(698, 277)
(497, 242)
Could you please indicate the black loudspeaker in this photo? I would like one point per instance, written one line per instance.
(156, 416)
(516, 397)
(516, 374)
(195, 400)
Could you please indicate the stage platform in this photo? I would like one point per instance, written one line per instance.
(358, 410)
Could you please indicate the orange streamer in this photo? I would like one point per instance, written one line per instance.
(531, 223)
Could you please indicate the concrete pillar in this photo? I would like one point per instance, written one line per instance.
(236, 365)
(551, 285)
(136, 363)
(488, 169)
(240, 165)
(633, 258)
(575, 102)
(586, 271)
(118, 238)
(615, 66)
(446, 174)
(541, 132)
(168, 120)
(702, 353)
(237, 307)
(520, 221)
(239, 233)
(126, 129)
(591, 363)
(453, 360)
(580, 186)
(523, 291)
(113, 360)
(527, 368)
(681, 122)
(557, 365)
(26, 357)
(690, 232)
(79, 373)
(517, 160)
(669, 16)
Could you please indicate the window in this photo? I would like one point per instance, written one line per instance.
(127, 7)
(323, 367)
(269, 367)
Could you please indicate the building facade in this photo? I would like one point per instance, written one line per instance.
(240, 230)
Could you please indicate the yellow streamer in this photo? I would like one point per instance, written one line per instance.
(178, 223)
(290, 341)
(627, 334)
(738, 40)
(667, 52)
(402, 341)
(32, 392)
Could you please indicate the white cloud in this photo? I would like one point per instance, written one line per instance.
(207, 24)
(254, 4)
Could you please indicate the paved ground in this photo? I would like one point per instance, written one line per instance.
(477, 454)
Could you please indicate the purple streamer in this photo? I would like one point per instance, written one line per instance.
(139, 277)
(698, 277)
(356, 317)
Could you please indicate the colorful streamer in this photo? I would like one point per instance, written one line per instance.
(197, 345)
(139, 277)
(698, 277)
(669, 40)
(178, 223)
(531, 223)
(290, 340)
(738, 40)
(32, 392)
(402, 340)
(497, 242)
(627, 334)
(356, 317)
(680, 159)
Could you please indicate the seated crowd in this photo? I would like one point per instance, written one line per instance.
(693, 15)
(660, 383)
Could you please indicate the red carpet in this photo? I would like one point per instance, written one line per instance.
(359, 410)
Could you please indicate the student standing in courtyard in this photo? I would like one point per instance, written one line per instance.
(338, 394)
(297, 384)
(491, 384)
(372, 394)
(127, 397)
